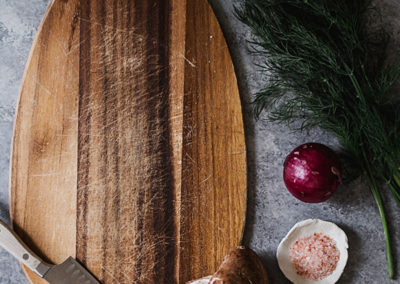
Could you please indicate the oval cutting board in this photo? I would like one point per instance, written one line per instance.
(128, 148)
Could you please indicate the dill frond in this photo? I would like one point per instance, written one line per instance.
(328, 61)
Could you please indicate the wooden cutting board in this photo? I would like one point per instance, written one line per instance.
(129, 150)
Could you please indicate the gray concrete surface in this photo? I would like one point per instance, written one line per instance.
(272, 211)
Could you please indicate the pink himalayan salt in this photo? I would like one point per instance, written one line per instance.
(314, 257)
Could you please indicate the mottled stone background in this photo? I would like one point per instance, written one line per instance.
(272, 211)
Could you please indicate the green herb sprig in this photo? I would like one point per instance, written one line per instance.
(328, 67)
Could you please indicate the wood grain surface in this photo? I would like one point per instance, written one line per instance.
(45, 143)
(128, 148)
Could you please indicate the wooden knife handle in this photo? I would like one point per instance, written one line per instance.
(10, 241)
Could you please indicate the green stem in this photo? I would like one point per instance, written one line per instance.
(397, 179)
(378, 200)
(394, 189)
(356, 85)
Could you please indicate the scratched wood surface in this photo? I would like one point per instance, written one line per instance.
(128, 148)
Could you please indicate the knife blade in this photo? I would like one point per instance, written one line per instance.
(68, 272)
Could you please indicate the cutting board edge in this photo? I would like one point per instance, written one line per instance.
(242, 121)
(27, 272)
(16, 113)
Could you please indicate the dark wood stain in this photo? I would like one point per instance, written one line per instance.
(136, 20)
(108, 110)
(154, 210)
(74, 24)
(164, 219)
(83, 132)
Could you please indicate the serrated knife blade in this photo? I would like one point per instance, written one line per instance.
(68, 272)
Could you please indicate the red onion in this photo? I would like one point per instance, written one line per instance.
(312, 172)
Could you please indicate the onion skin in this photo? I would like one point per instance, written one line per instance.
(312, 172)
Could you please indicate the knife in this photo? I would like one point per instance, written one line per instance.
(68, 272)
